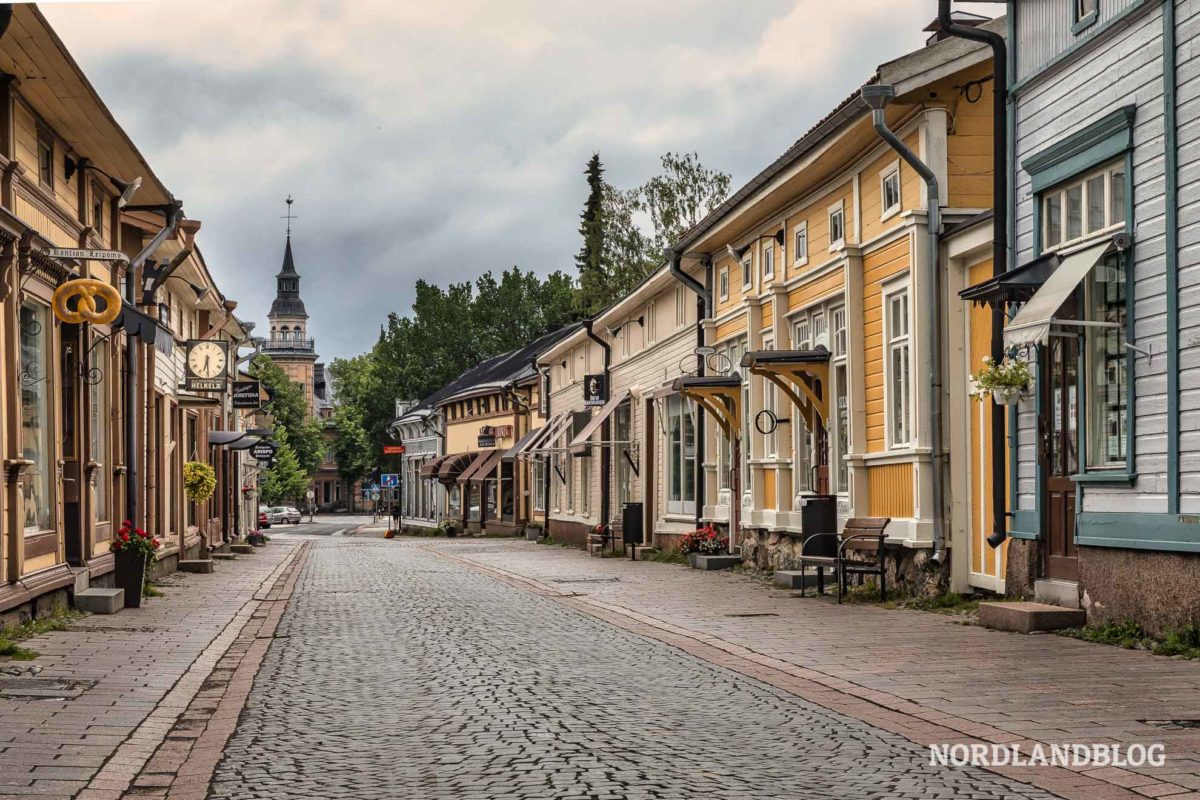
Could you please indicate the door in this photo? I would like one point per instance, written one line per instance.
(76, 531)
(1060, 454)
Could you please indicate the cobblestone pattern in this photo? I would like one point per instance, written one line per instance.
(139, 661)
(398, 674)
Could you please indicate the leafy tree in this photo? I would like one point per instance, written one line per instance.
(284, 480)
(681, 196)
(359, 415)
(289, 408)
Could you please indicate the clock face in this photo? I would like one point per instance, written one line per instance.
(207, 360)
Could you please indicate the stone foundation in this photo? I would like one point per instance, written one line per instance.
(908, 571)
(44, 605)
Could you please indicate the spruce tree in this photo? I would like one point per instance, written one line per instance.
(594, 283)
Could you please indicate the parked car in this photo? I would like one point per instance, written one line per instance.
(281, 515)
(264, 518)
(293, 515)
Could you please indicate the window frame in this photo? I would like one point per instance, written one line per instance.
(723, 283)
(1083, 17)
(898, 438)
(888, 172)
(838, 209)
(46, 155)
(676, 494)
(650, 329)
(1059, 191)
(747, 272)
(768, 261)
(800, 244)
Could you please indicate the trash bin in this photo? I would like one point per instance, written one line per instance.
(631, 524)
(818, 514)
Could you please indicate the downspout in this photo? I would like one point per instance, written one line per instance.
(999, 240)
(704, 309)
(132, 417)
(605, 466)
(544, 388)
(877, 97)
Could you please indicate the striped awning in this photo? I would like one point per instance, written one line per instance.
(429, 470)
(580, 442)
(482, 467)
(454, 465)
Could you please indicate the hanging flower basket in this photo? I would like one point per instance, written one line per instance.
(199, 481)
(1007, 383)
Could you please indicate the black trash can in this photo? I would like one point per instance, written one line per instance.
(819, 515)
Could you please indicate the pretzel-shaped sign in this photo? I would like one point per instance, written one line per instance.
(87, 290)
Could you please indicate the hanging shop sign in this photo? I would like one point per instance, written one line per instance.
(246, 394)
(393, 449)
(595, 389)
(264, 451)
(86, 300)
(207, 361)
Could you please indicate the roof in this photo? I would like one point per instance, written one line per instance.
(287, 301)
(511, 367)
(289, 263)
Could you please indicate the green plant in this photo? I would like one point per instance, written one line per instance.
(12, 635)
(199, 481)
(449, 527)
(1183, 642)
(706, 540)
(1010, 375)
(1122, 633)
(664, 557)
(135, 540)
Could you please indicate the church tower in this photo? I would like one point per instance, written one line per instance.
(288, 343)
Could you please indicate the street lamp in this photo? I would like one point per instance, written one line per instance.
(201, 291)
(127, 188)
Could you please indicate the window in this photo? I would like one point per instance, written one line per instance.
(35, 418)
(538, 476)
(569, 471)
(681, 456)
(98, 201)
(731, 356)
(841, 422)
(890, 190)
(723, 283)
(651, 330)
(770, 441)
(768, 264)
(746, 276)
(801, 339)
(837, 226)
(800, 244)
(1085, 12)
(1082, 207)
(46, 160)
(817, 324)
(1107, 363)
(898, 378)
(680, 307)
(838, 315)
(585, 485)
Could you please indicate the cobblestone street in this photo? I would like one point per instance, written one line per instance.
(397, 673)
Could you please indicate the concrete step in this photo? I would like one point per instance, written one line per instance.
(224, 556)
(789, 579)
(100, 601)
(1055, 592)
(713, 562)
(643, 550)
(1026, 617)
(202, 566)
(245, 549)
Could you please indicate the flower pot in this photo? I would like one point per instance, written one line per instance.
(1008, 396)
(130, 575)
(692, 562)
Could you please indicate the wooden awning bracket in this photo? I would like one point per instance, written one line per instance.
(797, 375)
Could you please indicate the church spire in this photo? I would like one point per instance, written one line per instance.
(287, 280)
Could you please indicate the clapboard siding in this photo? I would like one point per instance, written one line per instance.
(1044, 30)
(1187, 87)
(1123, 67)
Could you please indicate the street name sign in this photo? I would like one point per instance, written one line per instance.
(75, 254)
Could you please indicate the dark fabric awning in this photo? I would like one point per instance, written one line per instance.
(581, 439)
(245, 443)
(191, 400)
(429, 470)
(757, 358)
(224, 437)
(522, 443)
(453, 465)
(144, 327)
(482, 467)
(1016, 285)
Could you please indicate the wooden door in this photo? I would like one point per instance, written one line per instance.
(1060, 454)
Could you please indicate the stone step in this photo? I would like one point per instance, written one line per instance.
(794, 579)
(644, 550)
(1027, 617)
(202, 566)
(224, 556)
(98, 600)
(245, 549)
(1055, 592)
(699, 561)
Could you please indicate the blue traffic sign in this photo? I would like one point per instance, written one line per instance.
(389, 480)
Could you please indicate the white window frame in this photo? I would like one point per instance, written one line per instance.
(768, 261)
(800, 244)
(723, 283)
(838, 209)
(1082, 10)
(680, 307)
(839, 336)
(676, 489)
(626, 334)
(900, 433)
(890, 172)
(747, 272)
(651, 327)
(770, 440)
(1113, 221)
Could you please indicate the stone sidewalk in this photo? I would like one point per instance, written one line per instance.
(139, 670)
(925, 676)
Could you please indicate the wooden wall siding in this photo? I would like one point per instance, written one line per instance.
(770, 502)
(768, 315)
(984, 559)
(890, 491)
(1188, 93)
(969, 151)
(732, 327)
(808, 293)
(911, 190)
(735, 284)
(878, 267)
(1044, 30)
(816, 214)
(1125, 68)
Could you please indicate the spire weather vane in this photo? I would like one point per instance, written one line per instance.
(289, 216)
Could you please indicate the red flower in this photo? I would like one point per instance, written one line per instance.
(126, 524)
(154, 542)
(124, 536)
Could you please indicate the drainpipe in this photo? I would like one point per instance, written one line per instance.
(877, 97)
(999, 240)
(132, 416)
(605, 455)
(544, 388)
(704, 309)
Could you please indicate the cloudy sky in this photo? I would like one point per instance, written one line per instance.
(434, 139)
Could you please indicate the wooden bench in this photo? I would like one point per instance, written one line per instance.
(862, 535)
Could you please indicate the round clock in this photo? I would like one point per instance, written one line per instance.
(207, 360)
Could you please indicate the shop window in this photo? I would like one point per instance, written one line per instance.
(36, 441)
(898, 364)
(537, 474)
(622, 434)
(99, 428)
(681, 456)
(1107, 363)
